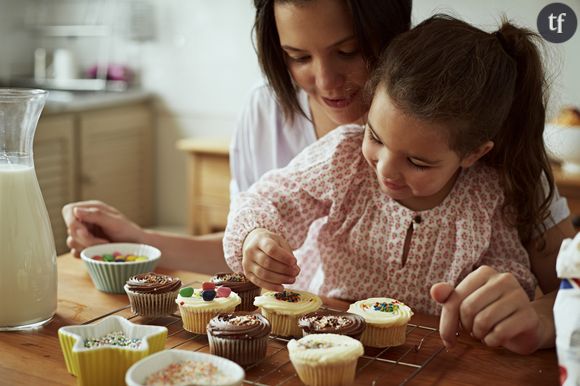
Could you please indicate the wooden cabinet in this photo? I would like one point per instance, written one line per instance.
(55, 169)
(103, 154)
(116, 160)
(208, 184)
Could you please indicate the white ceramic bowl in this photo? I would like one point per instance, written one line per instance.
(112, 276)
(138, 373)
(563, 144)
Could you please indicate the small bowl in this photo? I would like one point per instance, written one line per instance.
(112, 276)
(563, 144)
(138, 373)
(107, 365)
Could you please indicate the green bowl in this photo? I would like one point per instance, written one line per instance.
(112, 276)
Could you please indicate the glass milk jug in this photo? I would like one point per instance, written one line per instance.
(28, 278)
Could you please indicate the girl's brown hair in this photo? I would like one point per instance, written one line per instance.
(376, 23)
(485, 87)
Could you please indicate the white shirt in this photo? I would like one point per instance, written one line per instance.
(264, 140)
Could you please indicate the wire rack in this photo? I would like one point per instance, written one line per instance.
(378, 366)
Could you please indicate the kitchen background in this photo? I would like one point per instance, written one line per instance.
(195, 58)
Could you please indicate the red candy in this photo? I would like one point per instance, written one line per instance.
(223, 292)
(208, 285)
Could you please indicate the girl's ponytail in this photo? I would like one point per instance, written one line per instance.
(519, 153)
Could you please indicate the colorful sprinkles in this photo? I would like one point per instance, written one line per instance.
(188, 373)
(386, 307)
(116, 338)
(288, 296)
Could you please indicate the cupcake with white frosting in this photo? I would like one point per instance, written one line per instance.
(284, 308)
(325, 359)
(386, 321)
(198, 306)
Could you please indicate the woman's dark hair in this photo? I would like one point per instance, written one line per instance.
(484, 87)
(376, 23)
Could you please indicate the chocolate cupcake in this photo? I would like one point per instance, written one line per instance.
(332, 322)
(152, 294)
(239, 336)
(238, 283)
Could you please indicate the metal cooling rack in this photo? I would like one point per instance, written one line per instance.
(386, 366)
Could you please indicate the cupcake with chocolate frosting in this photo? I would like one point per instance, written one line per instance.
(239, 336)
(238, 283)
(332, 322)
(152, 294)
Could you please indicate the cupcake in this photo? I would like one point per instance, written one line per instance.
(325, 359)
(152, 294)
(239, 336)
(284, 308)
(332, 322)
(198, 306)
(238, 283)
(386, 321)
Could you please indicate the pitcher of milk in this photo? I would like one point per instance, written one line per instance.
(28, 278)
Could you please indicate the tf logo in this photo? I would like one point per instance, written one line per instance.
(557, 22)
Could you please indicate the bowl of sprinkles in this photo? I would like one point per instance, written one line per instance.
(181, 367)
(100, 353)
(111, 265)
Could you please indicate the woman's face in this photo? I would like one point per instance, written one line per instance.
(411, 157)
(323, 56)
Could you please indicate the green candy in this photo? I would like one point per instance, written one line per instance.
(186, 292)
(108, 257)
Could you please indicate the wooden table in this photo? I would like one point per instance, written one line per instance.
(34, 357)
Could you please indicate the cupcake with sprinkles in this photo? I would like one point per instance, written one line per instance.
(152, 294)
(284, 308)
(332, 322)
(386, 320)
(198, 305)
(239, 336)
(325, 359)
(238, 283)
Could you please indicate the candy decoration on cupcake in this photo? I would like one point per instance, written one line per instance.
(287, 296)
(387, 306)
(208, 292)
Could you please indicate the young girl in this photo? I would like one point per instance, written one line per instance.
(448, 185)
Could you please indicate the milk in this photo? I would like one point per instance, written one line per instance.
(27, 254)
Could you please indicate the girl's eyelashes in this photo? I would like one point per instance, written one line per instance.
(416, 166)
(372, 136)
(348, 54)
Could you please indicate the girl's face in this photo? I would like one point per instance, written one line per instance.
(323, 56)
(411, 157)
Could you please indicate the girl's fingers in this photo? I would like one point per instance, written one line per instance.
(501, 309)
(273, 277)
(519, 333)
(263, 283)
(271, 264)
(273, 249)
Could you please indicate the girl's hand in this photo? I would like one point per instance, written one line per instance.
(268, 260)
(492, 307)
(94, 222)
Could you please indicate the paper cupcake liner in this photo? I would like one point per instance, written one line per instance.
(283, 325)
(196, 321)
(241, 351)
(248, 297)
(374, 336)
(152, 305)
(335, 374)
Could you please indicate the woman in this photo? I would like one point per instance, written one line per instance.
(316, 56)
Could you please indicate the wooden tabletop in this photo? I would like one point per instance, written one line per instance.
(34, 357)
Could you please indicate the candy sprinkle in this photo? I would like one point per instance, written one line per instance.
(386, 307)
(188, 373)
(115, 338)
(288, 296)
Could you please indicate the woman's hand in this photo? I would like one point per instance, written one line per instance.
(94, 222)
(268, 260)
(492, 307)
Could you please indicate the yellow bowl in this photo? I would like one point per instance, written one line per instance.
(106, 365)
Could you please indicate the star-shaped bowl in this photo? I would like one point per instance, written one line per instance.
(107, 364)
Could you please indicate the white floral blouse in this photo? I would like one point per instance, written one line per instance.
(354, 250)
